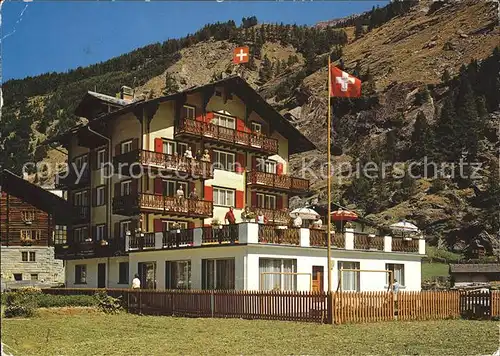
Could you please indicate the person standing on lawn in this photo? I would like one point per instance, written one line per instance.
(136, 282)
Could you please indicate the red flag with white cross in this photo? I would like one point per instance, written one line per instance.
(343, 85)
(241, 55)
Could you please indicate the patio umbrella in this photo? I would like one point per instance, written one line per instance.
(344, 215)
(305, 213)
(404, 227)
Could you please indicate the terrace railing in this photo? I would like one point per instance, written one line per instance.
(369, 242)
(220, 234)
(276, 235)
(403, 245)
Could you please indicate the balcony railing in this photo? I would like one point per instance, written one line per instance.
(88, 249)
(276, 235)
(177, 238)
(131, 204)
(223, 134)
(369, 242)
(284, 182)
(276, 217)
(190, 168)
(318, 237)
(72, 179)
(252, 233)
(219, 234)
(404, 245)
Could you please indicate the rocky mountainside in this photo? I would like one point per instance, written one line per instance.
(412, 60)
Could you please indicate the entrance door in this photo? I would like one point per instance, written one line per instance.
(147, 274)
(101, 275)
(317, 278)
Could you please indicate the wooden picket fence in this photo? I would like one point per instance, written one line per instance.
(318, 307)
(495, 303)
(427, 305)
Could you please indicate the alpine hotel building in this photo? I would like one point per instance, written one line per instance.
(137, 223)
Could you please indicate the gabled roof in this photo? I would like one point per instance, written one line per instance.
(40, 198)
(475, 268)
(239, 87)
(91, 99)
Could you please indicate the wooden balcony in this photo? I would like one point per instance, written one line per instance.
(317, 238)
(90, 249)
(268, 234)
(404, 245)
(127, 164)
(224, 135)
(133, 204)
(70, 178)
(220, 235)
(369, 242)
(274, 235)
(276, 216)
(279, 182)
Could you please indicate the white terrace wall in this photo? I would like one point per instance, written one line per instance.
(309, 257)
(112, 272)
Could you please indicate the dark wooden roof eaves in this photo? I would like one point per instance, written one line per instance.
(40, 198)
(243, 90)
(475, 268)
(91, 98)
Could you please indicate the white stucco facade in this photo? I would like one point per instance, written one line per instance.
(247, 256)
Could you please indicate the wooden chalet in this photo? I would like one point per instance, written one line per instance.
(29, 213)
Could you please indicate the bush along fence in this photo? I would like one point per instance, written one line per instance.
(319, 307)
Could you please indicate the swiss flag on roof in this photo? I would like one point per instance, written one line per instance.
(241, 55)
(343, 84)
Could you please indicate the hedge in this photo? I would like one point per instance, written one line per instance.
(55, 301)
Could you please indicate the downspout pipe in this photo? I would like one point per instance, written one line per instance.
(108, 183)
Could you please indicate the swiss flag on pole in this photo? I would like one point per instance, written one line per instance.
(241, 55)
(343, 84)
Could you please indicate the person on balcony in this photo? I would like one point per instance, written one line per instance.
(198, 155)
(175, 159)
(297, 222)
(229, 218)
(245, 214)
(317, 224)
(206, 156)
(180, 195)
(188, 155)
(193, 195)
(261, 220)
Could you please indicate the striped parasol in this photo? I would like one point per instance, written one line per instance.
(344, 215)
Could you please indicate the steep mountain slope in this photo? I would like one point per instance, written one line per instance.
(406, 63)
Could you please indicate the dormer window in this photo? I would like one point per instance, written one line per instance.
(189, 112)
(224, 121)
(256, 127)
(126, 146)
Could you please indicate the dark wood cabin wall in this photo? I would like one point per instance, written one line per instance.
(11, 222)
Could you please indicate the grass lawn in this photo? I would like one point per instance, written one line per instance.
(87, 332)
(435, 269)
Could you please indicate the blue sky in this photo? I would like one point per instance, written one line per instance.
(61, 35)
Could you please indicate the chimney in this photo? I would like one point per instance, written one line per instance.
(126, 93)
